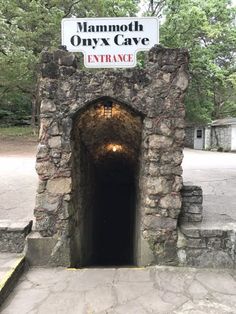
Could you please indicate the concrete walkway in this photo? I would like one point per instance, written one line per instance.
(7, 264)
(11, 268)
(18, 181)
(215, 172)
(156, 290)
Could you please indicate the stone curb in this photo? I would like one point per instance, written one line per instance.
(13, 234)
(10, 279)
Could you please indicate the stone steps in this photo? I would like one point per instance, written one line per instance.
(13, 234)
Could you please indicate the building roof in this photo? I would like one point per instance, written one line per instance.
(225, 121)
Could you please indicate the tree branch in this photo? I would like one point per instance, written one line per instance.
(70, 8)
(5, 90)
(24, 90)
(159, 6)
(3, 51)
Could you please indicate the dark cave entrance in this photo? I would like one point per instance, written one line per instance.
(114, 213)
(106, 171)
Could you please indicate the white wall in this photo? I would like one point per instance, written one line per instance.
(198, 138)
(233, 137)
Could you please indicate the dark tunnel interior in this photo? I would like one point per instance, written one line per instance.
(114, 213)
(106, 154)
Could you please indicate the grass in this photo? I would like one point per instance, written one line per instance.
(17, 131)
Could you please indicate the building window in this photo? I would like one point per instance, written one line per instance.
(199, 133)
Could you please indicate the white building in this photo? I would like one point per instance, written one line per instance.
(219, 135)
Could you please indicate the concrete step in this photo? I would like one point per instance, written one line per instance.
(13, 234)
(12, 266)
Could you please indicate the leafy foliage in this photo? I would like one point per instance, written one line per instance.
(27, 27)
(205, 27)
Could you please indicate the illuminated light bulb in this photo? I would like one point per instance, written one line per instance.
(107, 108)
(114, 149)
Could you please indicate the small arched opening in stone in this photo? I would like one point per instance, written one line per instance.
(106, 141)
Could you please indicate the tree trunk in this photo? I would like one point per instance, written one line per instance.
(35, 108)
(33, 113)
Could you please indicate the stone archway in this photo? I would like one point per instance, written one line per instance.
(106, 153)
(69, 123)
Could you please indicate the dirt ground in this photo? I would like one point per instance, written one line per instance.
(23, 146)
(18, 178)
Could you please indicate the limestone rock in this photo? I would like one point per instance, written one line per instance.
(54, 129)
(156, 223)
(165, 128)
(45, 169)
(47, 105)
(177, 157)
(55, 142)
(178, 184)
(181, 80)
(67, 59)
(179, 134)
(158, 185)
(50, 70)
(171, 201)
(159, 141)
(47, 202)
(59, 186)
(42, 151)
(41, 186)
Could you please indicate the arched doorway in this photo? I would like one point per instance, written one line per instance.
(106, 147)
(81, 145)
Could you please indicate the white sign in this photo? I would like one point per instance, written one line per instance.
(110, 42)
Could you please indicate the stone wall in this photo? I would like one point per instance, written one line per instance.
(83, 201)
(155, 93)
(201, 244)
(221, 137)
(207, 142)
(189, 137)
(13, 234)
(207, 246)
(191, 204)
